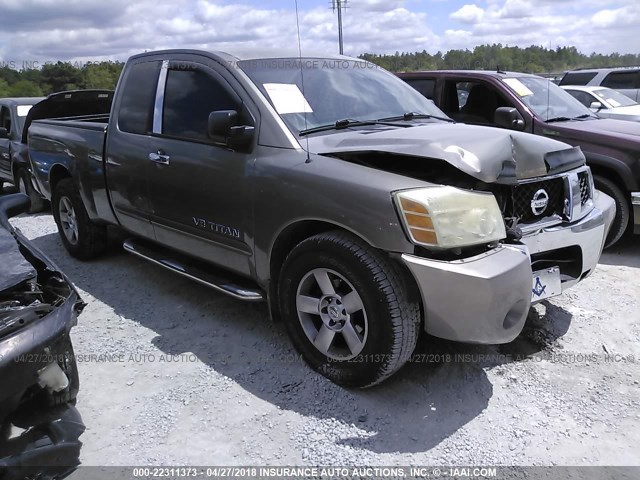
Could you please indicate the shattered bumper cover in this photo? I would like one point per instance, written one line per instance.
(28, 350)
(486, 298)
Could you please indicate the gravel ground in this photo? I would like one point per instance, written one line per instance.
(207, 380)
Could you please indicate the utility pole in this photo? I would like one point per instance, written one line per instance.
(339, 4)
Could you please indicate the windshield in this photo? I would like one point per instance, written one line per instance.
(334, 90)
(546, 99)
(613, 99)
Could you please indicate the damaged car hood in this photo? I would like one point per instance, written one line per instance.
(489, 154)
(14, 268)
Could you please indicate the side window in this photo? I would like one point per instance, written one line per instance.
(583, 97)
(425, 86)
(621, 80)
(5, 119)
(190, 96)
(472, 102)
(138, 98)
(577, 78)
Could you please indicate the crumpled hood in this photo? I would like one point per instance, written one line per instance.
(488, 154)
(14, 268)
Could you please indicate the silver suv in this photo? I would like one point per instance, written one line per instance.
(623, 79)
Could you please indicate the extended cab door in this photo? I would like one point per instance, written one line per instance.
(128, 146)
(199, 190)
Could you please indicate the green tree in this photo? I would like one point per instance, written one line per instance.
(103, 75)
(25, 88)
(4, 88)
(61, 76)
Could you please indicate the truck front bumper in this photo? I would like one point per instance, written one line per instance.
(486, 298)
(635, 202)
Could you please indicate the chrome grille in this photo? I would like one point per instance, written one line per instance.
(585, 188)
(570, 198)
(522, 196)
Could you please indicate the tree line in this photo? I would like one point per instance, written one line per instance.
(533, 59)
(56, 77)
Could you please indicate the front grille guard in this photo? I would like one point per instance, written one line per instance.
(578, 191)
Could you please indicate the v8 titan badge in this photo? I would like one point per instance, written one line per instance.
(546, 283)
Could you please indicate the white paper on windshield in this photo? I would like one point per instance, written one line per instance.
(613, 102)
(287, 98)
(519, 87)
(23, 110)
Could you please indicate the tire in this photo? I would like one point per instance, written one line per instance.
(81, 237)
(364, 293)
(23, 182)
(623, 209)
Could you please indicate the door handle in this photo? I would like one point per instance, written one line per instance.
(159, 157)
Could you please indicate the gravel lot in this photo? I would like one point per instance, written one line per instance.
(209, 380)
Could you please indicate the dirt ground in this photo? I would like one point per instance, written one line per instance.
(174, 373)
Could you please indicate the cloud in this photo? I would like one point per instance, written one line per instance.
(468, 14)
(48, 30)
(516, 9)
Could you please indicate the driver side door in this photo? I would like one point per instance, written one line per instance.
(199, 191)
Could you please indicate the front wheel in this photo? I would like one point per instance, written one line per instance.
(347, 309)
(623, 209)
(81, 237)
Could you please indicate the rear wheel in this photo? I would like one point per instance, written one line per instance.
(81, 237)
(347, 309)
(23, 182)
(623, 209)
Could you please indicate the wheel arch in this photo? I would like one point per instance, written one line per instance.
(613, 169)
(292, 235)
(58, 172)
(300, 230)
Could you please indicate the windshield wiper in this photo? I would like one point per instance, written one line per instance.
(341, 124)
(558, 119)
(585, 115)
(415, 116)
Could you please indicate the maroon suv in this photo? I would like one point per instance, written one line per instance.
(533, 104)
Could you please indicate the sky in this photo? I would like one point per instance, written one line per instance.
(33, 32)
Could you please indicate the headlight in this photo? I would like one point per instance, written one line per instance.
(448, 217)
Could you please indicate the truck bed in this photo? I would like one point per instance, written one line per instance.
(77, 144)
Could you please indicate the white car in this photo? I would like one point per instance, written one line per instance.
(607, 103)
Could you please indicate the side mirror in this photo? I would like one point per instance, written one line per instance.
(223, 129)
(596, 106)
(509, 117)
(4, 133)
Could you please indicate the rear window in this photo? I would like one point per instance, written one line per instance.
(425, 86)
(577, 78)
(622, 80)
(138, 98)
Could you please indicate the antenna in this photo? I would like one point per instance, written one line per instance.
(548, 89)
(339, 4)
(304, 110)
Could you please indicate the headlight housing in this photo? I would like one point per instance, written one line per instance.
(448, 217)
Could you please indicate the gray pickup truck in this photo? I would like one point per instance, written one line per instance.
(331, 189)
(14, 166)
